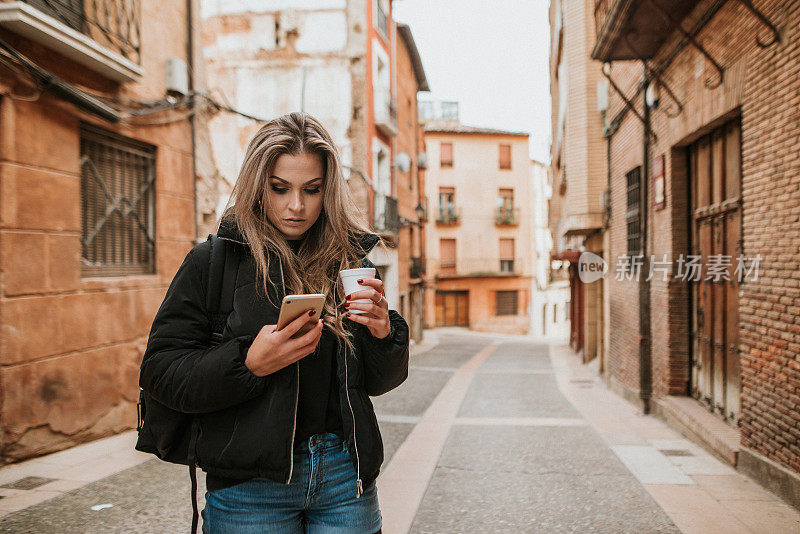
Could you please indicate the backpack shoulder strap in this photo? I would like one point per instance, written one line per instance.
(222, 271)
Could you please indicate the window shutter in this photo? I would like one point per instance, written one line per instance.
(446, 154)
(505, 156)
(447, 255)
(506, 302)
(507, 249)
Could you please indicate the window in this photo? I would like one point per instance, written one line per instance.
(506, 302)
(505, 156)
(381, 17)
(446, 155)
(505, 207)
(447, 206)
(632, 213)
(447, 256)
(507, 255)
(117, 204)
(505, 199)
(450, 111)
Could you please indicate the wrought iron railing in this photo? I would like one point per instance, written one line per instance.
(114, 24)
(485, 266)
(417, 267)
(387, 217)
(506, 216)
(449, 215)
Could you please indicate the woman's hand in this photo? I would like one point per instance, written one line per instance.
(273, 350)
(376, 318)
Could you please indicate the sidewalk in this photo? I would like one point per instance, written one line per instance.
(33, 481)
(700, 493)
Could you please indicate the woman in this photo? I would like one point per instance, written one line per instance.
(288, 435)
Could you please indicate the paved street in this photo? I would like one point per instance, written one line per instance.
(488, 434)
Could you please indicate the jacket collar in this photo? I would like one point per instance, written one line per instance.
(228, 229)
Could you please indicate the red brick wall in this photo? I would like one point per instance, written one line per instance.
(770, 307)
(762, 86)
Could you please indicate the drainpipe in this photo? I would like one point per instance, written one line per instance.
(192, 106)
(645, 353)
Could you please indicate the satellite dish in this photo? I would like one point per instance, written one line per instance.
(403, 162)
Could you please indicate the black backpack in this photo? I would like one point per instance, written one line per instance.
(169, 434)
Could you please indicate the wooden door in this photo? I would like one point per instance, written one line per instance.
(715, 173)
(452, 308)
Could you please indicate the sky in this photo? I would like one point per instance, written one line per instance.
(490, 56)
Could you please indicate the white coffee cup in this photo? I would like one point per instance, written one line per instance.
(349, 283)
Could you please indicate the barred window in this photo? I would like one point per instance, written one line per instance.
(117, 204)
(632, 213)
(506, 302)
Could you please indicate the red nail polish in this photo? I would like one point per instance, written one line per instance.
(347, 315)
(346, 304)
(359, 281)
(310, 313)
(347, 297)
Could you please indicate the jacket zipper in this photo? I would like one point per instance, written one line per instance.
(359, 488)
(296, 392)
(359, 483)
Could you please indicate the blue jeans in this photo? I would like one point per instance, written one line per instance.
(321, 497)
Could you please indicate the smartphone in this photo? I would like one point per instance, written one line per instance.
(293, 306)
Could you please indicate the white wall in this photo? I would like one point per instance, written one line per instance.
(252, 67)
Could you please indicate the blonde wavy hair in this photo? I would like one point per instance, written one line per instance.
(331, 244)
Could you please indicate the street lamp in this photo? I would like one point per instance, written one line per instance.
(420, 211)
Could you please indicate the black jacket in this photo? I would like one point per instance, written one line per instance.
(247, 423)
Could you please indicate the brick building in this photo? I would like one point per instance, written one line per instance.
(97, 209)
(408, 181)
(479, 240)
(578, 169)
(704, 166)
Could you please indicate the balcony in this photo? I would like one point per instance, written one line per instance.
(386, 115)
(102, 35)
(483, 267)
(506, 216)
(450, 215)
(417, 268)
(630, 29)
(387, 218)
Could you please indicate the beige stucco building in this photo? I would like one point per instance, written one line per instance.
(480, 258)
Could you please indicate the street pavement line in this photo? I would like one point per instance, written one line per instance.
(518, 371)
(521, 421)
(403, 483)
(397, 418)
